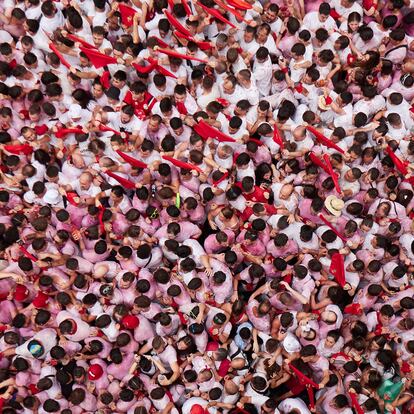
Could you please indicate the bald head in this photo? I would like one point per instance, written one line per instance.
(106, 162)
(230, 387)
(78, 160)
(85, 180)
(286, 191)
(299, 133)
(238, 363)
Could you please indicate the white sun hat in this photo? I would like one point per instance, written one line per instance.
(334, 205)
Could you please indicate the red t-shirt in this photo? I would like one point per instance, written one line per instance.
(295, 386)
(367, 4)
(257, 196)
(140, 107)
(248, 211)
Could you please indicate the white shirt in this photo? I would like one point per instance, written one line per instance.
(51, 24)
(47, 337)
(256, 398)
(312, 23)
(169, 89)
(405, 241)
(251, 94)
(236, 96)
(5, 37)
(346, 119)
(345, 11)
(290, 404)
(263, 75)
(133, 126)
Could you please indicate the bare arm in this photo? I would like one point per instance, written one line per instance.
(135, 31)
(295, 294)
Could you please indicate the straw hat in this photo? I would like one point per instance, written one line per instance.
(324, 103)
(334, 205)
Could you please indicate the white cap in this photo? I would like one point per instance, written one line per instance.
(52, 197)
(75, 111)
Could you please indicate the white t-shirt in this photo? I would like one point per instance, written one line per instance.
(263, 75)
(312, 23)
(47, 337)
(346, 11)
(168, 356)
(82, 328)
(133, 126)
(256, 398)
(290, 404)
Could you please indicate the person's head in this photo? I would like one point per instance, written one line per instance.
(324, 11)
(259, 383)
(308, 353)
(374, 378)
(271, 13)
(127, 112)
(180, 93)
(20, 364)
(286, 320)
(67, 327)
(98, 34)
(158, 344)
(263, 32)
(332, 338)
(394, 120)
(185, 343)
(306, 233)
(321, 36)
(298, 51)
(262, 54)
(329, 317)
(385, 314)
(293, 25)
(51, 406)
(339, 402)
(77, 396)
(397, 35)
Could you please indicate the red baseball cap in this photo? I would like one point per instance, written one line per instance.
(130, 321)
(20, 293)
(212, 346)
(40, 301)
(95, 372)
(73, 198)
(197, 409)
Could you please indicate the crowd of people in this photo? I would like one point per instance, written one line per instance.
(207, 206)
